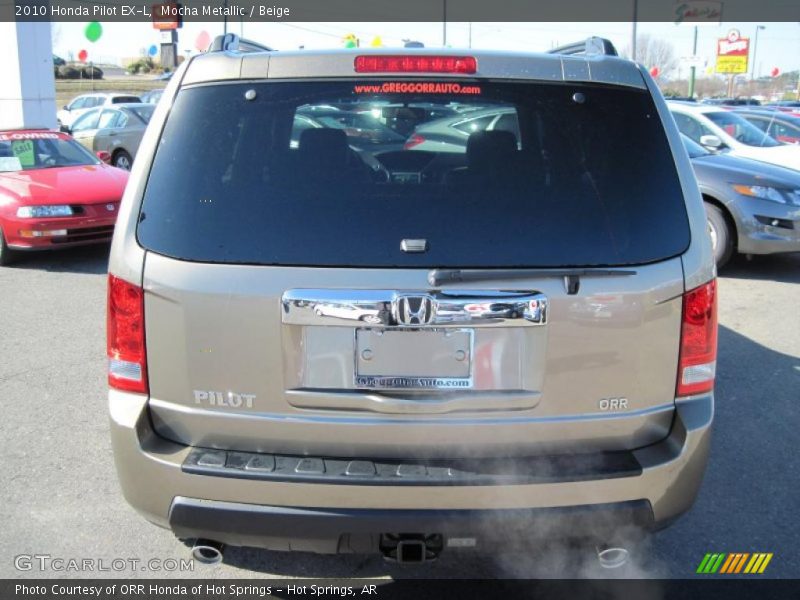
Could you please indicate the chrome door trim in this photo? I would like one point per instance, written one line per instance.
(473, 308)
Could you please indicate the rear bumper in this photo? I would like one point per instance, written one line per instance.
(324, 515)
(332, 531)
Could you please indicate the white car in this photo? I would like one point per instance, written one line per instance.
(86, 102)
(722, 130)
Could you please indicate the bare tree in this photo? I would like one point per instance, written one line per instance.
(654, 52)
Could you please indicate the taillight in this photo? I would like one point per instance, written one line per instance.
(698, 358)
(381, 63)
(127, 363)
(415, 140)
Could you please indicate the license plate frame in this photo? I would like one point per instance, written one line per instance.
(430, 370)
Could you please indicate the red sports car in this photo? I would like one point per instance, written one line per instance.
(54, 193)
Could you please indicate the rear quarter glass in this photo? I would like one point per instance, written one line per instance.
(583, 176)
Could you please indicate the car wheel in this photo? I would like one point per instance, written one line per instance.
(720, 232)
(7, 255)
(123, 160)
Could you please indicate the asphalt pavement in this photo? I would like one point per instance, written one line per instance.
(59, 495)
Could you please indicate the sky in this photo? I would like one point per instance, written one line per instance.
(778, 44)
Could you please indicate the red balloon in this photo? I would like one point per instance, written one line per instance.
(83, 55)
(775, 72)
(655, 71)
(202, 42)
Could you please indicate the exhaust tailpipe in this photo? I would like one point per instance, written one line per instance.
(610, 557)
(207, 552)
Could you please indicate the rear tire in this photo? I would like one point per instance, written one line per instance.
(7, 255)
(720, 231)
(123, 160)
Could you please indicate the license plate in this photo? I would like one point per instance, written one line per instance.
(422, 359)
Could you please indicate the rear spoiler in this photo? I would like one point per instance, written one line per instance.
(592, 46)
(230, 42)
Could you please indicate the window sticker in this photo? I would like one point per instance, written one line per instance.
(418, 87)
(23, 150)
(33, 135)
(9, 164)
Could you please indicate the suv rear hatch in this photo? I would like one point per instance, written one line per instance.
(413, 268)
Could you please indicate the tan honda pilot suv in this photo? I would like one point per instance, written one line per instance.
(401, 301)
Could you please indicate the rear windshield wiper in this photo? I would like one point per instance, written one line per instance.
(571, 276)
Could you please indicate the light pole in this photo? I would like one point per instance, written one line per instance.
(755, 49)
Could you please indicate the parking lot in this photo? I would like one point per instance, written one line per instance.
(61, 498)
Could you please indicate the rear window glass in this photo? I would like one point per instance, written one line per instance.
(490, 174)
(144, 113)
(125, 99)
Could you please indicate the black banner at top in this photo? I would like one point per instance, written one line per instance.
(673, 11)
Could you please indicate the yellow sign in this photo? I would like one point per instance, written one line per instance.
(732, 64)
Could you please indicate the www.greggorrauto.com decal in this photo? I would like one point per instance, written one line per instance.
(418, 87)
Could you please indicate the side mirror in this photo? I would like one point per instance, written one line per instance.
(711, 141)
(65, 129)
(104, 156)
(65, 107)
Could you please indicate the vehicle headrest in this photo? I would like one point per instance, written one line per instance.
(490, 148)
(325, 147)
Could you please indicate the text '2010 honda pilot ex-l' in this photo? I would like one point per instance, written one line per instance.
(404, 301)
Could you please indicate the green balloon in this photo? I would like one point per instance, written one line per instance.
(93, 31)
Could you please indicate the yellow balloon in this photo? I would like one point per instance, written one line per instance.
(377, 42)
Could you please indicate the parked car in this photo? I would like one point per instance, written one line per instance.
(117, 131)
(752, 207)
(54, 193)
(789, 105)
(451, 134)
(731, 102)
(726, 131)
(499, 388)
(79, 105)
(782, 126)
(152, 97)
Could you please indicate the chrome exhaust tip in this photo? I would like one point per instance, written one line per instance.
(611, 558)
(207, 552)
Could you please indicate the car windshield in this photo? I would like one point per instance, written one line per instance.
(693, 148)
(41, 150)
(489, 173)
(740, 129)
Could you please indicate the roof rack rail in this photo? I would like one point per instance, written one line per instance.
(590, 46)
(230, 42)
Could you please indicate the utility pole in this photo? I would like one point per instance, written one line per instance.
(693, 69)
(755, 49)
(444, 23)
(633, 29)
